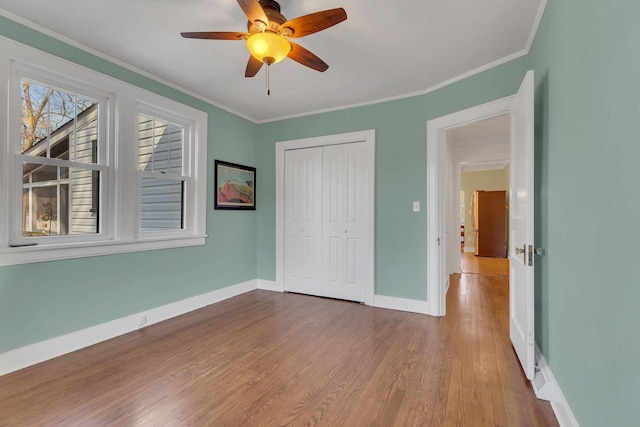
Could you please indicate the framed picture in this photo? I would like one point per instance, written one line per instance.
(235, 186)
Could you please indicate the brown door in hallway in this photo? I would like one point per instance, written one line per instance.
(490, 223)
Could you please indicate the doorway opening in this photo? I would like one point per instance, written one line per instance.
(480, 179)
(471, 140)
(479, 189)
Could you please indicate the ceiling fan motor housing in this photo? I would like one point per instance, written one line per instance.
(276, 19)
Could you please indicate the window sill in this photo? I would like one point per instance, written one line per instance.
(42, 253)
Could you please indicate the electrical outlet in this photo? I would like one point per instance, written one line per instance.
(416, 206)
(142, 321)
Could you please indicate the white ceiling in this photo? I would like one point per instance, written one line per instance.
(477, 137)
(498, 126)
(385, 49)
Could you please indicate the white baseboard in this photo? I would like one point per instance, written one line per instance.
(543, 383)
(41, 351)
(402, 304)
(269, 285)
(379, 301)
(546, 388)
(469, 249)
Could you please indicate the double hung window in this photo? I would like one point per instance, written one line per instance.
(91, 165)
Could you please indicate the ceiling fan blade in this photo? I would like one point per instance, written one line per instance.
(253, 66)
(215, 35)
(253, 10)
(305, 57)
(314, 22)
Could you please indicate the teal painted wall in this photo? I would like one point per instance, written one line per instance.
(588, 147)
(45, 300)
(401, 172)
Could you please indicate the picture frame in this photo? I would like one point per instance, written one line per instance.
(235, 186)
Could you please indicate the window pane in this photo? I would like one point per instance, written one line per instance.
(160, 145)
(34, 127)
(85, 137)
(161, 204)
(61, 110)
(57, 123)
(41, 212)
(59, 200)
(40, 173)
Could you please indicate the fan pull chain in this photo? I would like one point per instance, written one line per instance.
(267, 74)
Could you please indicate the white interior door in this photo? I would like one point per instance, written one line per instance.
(344, 213)
(521, 274)
(303, 221)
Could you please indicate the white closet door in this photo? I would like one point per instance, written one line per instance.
(344, 237)
(303, 221)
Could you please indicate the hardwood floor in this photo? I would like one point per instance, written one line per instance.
(472, 264)
(270, 359)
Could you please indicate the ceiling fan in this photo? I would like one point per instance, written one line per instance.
(269, 33)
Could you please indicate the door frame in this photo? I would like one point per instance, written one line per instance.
(369, 138)
(438, 163)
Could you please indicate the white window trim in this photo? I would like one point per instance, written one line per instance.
(19, 71)
(181, 118)
(119, 232)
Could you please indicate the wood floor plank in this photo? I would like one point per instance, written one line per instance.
(271, 359)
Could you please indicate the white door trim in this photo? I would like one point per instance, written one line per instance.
(368, 137)
(436, 193)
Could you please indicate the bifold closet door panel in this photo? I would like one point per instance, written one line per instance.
(343, 242)
(303, 221)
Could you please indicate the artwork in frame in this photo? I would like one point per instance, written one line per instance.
(235, 186)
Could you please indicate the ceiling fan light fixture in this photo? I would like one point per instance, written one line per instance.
(268, 47)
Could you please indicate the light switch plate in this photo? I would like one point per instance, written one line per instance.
(416, 206)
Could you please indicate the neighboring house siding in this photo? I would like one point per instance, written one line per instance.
(161, 204)
(83, 216)
(160, 148)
